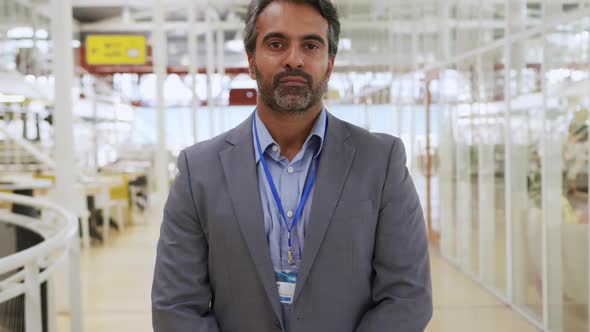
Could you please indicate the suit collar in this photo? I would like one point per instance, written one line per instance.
(240, 171)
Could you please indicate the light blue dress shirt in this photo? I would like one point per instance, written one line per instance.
(289, 179)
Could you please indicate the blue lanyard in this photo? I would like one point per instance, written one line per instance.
(273, 188)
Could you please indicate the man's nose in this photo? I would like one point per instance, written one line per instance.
(294, 58)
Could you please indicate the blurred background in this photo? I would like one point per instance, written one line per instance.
(491, 99)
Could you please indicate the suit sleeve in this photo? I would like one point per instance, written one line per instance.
(181, 294)
(401, 287)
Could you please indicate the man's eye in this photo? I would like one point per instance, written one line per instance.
(276, 45)
(311, 46)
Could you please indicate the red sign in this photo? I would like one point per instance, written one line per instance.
(239, 97)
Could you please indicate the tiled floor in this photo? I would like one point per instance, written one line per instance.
(117, 279)
(462, 305)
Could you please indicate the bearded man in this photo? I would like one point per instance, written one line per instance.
(295, 220)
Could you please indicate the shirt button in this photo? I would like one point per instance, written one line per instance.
(290, 214)
(275, 148)
(290, 170)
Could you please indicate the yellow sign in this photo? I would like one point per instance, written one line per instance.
(115, 50)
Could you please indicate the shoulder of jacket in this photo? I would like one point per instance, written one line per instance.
(207, 148)
(377, 141)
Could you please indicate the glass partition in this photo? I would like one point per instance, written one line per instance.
(526, 127)
(566, 75)
(489, 136)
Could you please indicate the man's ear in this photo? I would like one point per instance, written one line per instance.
(331, 60)
(251, 65)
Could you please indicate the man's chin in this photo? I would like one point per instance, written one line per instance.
(295, 104)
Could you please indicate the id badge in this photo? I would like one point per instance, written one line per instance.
(286, 285)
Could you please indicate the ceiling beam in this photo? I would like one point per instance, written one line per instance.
(201, 27)
(426, 25)
(141, 3)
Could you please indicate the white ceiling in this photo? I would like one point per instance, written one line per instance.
(373, 27)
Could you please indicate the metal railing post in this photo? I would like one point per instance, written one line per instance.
(32, 298)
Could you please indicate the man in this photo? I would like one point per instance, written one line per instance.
(294, 220)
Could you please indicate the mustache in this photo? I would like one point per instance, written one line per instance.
(290, 73)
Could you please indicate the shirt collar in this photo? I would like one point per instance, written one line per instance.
(266, 140)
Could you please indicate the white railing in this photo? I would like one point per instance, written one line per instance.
(37, 153)
(27, 270)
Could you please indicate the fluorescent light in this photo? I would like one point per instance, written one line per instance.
(19, 32)
(11, 98)
(26, 32)
(42, 45)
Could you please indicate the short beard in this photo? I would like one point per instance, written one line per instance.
(291, 99)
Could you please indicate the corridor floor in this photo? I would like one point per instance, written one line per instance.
(117, 277)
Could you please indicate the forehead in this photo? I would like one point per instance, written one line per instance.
(291, 19)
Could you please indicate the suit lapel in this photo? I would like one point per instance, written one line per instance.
(335, 163)
(240, 170)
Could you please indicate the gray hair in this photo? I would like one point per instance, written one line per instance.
(324, 7)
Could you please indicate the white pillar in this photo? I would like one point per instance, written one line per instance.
(95, 125)
(33, 56)
(160, 53)
(508, 156)
(551, 175)
(63, 71)
(486, 173)
(445, 30)
(393, 68)
(448, 219)
(397, 41)
(517, 12)
(545, 296)
(66, 168)
(210, 70)
(412, 149)
(487, 209)
(221, 115)
(33, 317)
(126, 15)
(75, 288)
(464, 197)
(449, 222)
(193, 65)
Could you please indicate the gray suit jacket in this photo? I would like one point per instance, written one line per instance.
(365, 267)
